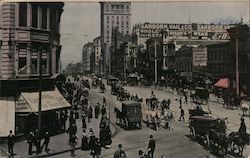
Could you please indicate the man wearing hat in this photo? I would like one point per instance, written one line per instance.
(151, 146)
(242, 129)
(119, 153)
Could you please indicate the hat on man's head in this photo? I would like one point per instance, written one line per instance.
(120, 146)
(151, 136)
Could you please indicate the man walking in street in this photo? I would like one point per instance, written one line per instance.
(119, 153)
(186, 98)
(182, 115)
(46, 142)
(11, 142)
(151, 147)
(180, 103)
(97, 110)
(37, 141)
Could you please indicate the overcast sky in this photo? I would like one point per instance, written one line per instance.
(80, 22)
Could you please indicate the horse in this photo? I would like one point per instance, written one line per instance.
(238, 141)
(119, 116)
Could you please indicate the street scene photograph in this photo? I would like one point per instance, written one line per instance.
(125, 79)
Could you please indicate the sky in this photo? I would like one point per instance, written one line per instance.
(80, 22)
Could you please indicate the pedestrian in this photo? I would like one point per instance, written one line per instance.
(92, 144)
(84, 125)
(186, 99)
(46, 142)
(182, 115)
(151, 146)
(97, 110)
(37, 140)
(64, 119)
(30, 141)
(104, 101)
(85, 144)
(103, 110)
(90, 113)
(120, 153)
(11, 142)
(180, 100)
(72, 130)
(96, 152)
(73, 142)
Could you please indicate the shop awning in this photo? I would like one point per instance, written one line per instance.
(51, 100)
(7, 116)
(223, 83)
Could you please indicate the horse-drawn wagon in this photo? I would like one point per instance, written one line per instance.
(130, 115)
(211, 131)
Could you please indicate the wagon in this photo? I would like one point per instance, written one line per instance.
(211, 130)
(132, 113)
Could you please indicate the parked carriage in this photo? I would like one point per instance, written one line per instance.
(200, 95)
(130, 115)
(115, 87)
(211, 131)
(198, 111)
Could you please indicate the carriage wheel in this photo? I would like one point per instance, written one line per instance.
(192, 133)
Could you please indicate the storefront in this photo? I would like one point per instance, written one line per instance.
(53, 103)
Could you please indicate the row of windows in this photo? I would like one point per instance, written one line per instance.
(23, 14)
(34, 60)
(218, 68)
(184, 66)
(218, 54)
(117, 6)
(117, 17)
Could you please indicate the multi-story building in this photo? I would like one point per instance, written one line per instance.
(88, 55)
(240, 33)
(119, 53)
(30, 45)
(113, 14)
(98, 56)
(219, 60)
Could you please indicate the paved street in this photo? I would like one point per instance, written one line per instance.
(174, 143)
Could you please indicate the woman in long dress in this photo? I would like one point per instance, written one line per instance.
(85, 144)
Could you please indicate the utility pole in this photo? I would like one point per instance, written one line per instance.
(40, 89)
(237, 66)
(155, 63)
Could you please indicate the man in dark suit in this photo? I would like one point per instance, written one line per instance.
(151, 147)
(11, 143)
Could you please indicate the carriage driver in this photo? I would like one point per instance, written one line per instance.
(242, 129)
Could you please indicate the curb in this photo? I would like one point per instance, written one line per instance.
(68, 150)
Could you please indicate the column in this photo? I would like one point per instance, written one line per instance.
(29, 15)
(16, 14)
(48, 18)
(39, 16)
(28, 58)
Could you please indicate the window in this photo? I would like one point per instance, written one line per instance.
(108, 32)
(122, 22)
(127, 7)
(44, 62)
(22, 14)
(117, 18)
(107, 17)
(117, 22)
(127, 32)
(22, 59)
(34, 58)
(44, 17)
(113, 6)
(113, 22)
(122, 6)
(34, 16)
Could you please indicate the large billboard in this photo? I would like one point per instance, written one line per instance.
(184, 31)
(199, 56)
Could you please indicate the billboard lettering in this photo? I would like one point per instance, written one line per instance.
(199, 56)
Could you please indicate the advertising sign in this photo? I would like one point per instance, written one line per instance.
(184, 31)
(199, 56)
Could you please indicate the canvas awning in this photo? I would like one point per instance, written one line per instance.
(7, 116)
(223, 83)
(51, 100)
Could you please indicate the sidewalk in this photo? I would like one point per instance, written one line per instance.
(59, 143)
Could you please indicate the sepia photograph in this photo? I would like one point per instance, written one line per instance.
(125, 79)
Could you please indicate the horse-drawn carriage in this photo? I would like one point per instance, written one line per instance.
(211, 131)
(115, 87)
(199, 95)
(130, 115)
(123, 94)
(198, 111)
